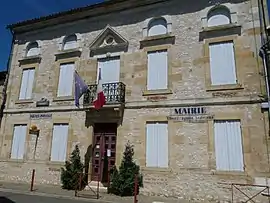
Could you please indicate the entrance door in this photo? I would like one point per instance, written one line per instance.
(104, 152)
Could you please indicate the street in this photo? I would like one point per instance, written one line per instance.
(6, 197)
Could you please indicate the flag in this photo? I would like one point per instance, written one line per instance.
(80, 88)
(100, 99)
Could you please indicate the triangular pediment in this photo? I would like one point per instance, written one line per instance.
(109, 40)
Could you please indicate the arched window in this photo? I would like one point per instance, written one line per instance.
(157, 27)
(32, 49)
(219, 16)
(70, 42)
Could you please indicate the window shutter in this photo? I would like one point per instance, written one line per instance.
(63, 133)
(27, 82)
(59, 142)
(162, 145)
(65, 85)
(151, 146)
(228, 146)
(56, 142)
(110, 69)
(18, 142)
(157, 76)
(30, 82)
(222, 63)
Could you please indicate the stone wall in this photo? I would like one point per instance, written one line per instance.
(191, 172)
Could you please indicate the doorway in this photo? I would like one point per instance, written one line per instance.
(104, 150)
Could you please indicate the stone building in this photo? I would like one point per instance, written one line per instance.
(183, 83)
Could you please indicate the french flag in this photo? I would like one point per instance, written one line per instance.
(100, 99)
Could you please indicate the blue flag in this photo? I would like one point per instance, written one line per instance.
(80, 88)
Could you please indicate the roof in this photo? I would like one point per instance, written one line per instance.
(81, 13)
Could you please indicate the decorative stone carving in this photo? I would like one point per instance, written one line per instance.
(42, 102)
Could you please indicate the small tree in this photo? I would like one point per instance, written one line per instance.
(122, 181)
(70, 175)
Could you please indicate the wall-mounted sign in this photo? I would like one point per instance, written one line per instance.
(43, 102)
(190, 114)
(41, 116)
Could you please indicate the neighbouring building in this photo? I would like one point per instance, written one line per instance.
(183, 83)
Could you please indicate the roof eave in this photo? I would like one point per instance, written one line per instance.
(79, 14)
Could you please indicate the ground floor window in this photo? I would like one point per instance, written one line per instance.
(18, 142)
(157, 145)
(59, 142)
(228, 145)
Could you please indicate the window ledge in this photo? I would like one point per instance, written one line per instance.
(24, 101)
(221, 30)
(16, 160)
(157, 92)
(56, 163)
(224, 87)
(30, 59)
(69, 53)
(65, 98)
(156, 169)
(224, 173)
(157, 40)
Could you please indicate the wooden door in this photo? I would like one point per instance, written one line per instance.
(104, 152)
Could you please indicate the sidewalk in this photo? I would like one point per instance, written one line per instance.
(51, 190)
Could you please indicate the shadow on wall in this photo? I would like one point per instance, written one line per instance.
(6, 200)
(87, 159)
(92, 24)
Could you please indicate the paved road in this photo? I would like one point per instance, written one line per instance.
(6, 197)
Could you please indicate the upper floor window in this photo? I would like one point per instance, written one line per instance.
(32, 49)
(157, 27)
(219, 16)
(70, 42)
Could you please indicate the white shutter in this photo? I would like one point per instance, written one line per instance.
(30, 82)
(18, 142)
(59, 142)
(157, 145)
(151, 146)
(63, 130)
(157, 76)
(65, 85)
(162, 145)
(228, 146)
(27, 82)
(157, 27)
(222, 63)
(110, 69)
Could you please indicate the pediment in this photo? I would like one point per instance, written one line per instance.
(109, 40)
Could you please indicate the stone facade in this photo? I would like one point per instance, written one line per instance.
(192, 170)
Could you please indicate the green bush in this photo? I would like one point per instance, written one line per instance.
(70, 175)
(122, 181)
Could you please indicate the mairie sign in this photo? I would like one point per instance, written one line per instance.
(190, 114)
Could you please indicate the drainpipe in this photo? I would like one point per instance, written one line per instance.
(4, 93)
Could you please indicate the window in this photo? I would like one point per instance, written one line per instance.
(157, 27)
(32, 49)
(70, 42)
(222, 63)
(18, 143)
(59, 142)
(157, 145)
(219, 16)
(65, 84)
(110, 69)
(157, 76)
(228, 145)
(27, 84)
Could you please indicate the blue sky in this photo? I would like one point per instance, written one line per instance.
(13, 11)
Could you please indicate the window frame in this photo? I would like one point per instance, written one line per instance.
(168, 142)
(157, 19)
(65, 41)
(208, 83)
(28, 47)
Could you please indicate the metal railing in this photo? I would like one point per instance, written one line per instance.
(114, 93)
